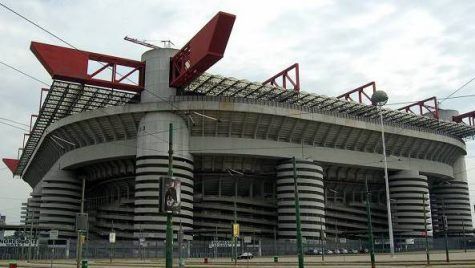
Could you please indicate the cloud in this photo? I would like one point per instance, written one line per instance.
(411, 49)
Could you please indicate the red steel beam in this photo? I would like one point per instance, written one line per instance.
(429, 105)
(470, 116)
(72, 65)
(286, 78)
(12, 164)
(360, 91)
(202, 51)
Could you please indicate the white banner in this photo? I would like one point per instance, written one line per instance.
(18, 242)
(223, 244)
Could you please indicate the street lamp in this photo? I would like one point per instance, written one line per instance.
(379, 99)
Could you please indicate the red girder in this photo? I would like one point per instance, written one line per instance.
(361, 93)
(285, 76)
(12, 164)
(202, 51)
(72, 65)
(469, 115)
(423, 104)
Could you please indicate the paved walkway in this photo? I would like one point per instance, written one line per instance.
(457, 259)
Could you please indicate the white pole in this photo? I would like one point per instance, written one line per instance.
(386, 181)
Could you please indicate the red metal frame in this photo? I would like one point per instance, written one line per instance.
(469, 115)
(361, 93)
(286, 78)
(41, 96)
(31, 120)
(202, 51)
(12, 164)
(72, 65)
(424, 104)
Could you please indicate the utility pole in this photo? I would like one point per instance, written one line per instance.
(235, 221)
(464, 239)
(181, 263)
(31, 235)
(321, 240)
(169, 234)
(79, 240)
(370, 227)
(297, 214)
(446, 227)
(425, 228)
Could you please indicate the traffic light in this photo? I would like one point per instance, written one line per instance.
(170, 195)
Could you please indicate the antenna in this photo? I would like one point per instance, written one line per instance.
(167, 43)
(141, 42)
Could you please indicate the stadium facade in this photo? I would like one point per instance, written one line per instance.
(233, 145)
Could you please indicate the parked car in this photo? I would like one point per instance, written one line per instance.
(337, 251)
(343, 251)
(328, 252)
(312, 251)
(363, 250)
(354, 251)
(245, 255)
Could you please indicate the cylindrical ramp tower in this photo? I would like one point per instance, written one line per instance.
(60, 201)
(311, 197)
(451, 198)
(409, 192)
(151, 164)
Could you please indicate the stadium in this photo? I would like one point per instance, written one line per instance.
(234, 141)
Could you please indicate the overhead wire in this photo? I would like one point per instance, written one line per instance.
(23, 73)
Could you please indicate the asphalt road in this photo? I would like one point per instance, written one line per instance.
(457, 259)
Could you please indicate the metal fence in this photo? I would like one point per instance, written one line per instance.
(94, 249)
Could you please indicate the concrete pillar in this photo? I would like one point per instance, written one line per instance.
(311, 197)
(407, 188)
(60, 201)
(157, 70)
(151, 164)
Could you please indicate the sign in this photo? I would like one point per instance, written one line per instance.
(170, 193)
(112, 237)
(53, 234)
(223, 244)
(235, 229)
(247, 239)
(409, 241)
(142, 241)
(18, 242)
(81, 222)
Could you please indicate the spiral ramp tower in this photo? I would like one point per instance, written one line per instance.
(452, 200)
(311, 199)
(60, 202)
(151, 165)
(410, 204)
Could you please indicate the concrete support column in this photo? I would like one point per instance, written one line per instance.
(407, 189)
(311, 196)
(60, 201)
(151, 164)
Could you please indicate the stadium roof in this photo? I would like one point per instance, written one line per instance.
(63, 99)
(214, 85)
(67, 98)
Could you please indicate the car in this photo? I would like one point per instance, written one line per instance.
(337, 251)
(312, 251)
(363, 250)
(353, 251)
(245, 256)
(328, 252)
(343, 251)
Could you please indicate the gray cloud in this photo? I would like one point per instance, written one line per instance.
(412, 49)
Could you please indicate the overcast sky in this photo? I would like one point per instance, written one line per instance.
(412, 49)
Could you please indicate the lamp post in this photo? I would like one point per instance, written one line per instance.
(297, 214)
(370, 225)
(379, 99)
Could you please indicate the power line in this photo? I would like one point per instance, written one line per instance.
(36, 25)
(13, 121)
(23, 73)
(455, 91)
(20, 128)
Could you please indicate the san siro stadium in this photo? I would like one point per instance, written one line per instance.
(234, 141)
